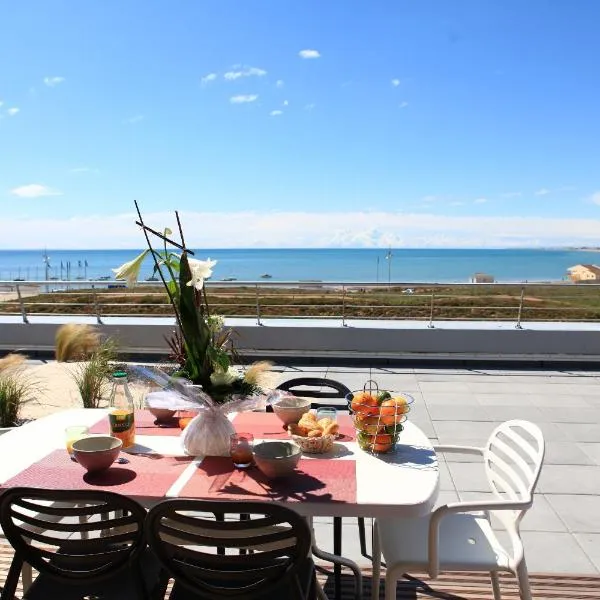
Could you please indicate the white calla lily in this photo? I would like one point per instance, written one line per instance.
(130, 271)
(224, 378)
(201, 270)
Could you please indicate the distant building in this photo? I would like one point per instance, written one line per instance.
(482, 278)
(584, 273)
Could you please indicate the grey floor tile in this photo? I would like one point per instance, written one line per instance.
(570, 479)
(540, 517)
(553, 432)
(425, 425)
(507, 387)
(590, 542)
(551, 398)
(350, 539)
(568, 414)
(458, 412)
(469, 477)
(579, 513)
(496, 399)
(468, 458)
(592, 450)
(446, 482)
(566, 453)
(507, 413)
(442, 387)
(555, 552)
(452, 432)
(449, 398)
(582, 432)
(446, 497)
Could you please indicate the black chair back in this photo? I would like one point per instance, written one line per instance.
(316, 387)
(267, 555)
(72, 536)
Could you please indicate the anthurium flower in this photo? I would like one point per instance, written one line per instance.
(201, 270)
(130, 271)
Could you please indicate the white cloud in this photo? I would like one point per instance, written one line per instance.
(53, 81)
(34, 190)
(11, 112)
(395, 82)
(595, 198)
(457, 203)
(307, 229)
(480, 200)
(244, 72)
(136, 119)
(430, 198)
(279, 83)
(1, 103)
(511, 195)
(309, 106)
(285, 103)
(403, 104)
(309, 54)
(276, 113)
(542, 192)
(243, 98)
(208, 78)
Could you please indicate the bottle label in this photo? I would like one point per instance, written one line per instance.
(121, 421)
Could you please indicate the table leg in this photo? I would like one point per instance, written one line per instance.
(337, 550)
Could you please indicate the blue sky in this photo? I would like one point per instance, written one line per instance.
(338, 123)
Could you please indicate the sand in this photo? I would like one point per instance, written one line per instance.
(57, 389)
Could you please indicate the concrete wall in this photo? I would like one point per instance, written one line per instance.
(321, 339)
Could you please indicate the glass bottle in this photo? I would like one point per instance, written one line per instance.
(121, 415)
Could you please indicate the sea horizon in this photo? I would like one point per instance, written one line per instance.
(427, 265)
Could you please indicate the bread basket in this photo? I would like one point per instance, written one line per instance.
(314, 445)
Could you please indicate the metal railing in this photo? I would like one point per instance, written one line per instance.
(344, 301)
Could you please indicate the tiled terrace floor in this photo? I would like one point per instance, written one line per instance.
(562, 530)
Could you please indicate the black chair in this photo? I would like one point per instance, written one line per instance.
(320, 388)
(82, 543)
(185, 536)
(317, 388)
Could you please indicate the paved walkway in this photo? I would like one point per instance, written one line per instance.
(562, 531)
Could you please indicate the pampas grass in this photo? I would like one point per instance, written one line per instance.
(16, 388)
(258, 374)
(92, 377)
(76, 341)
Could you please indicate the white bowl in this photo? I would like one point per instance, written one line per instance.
(277, 459)
(291, 408)
(162, 414)
(97, 452)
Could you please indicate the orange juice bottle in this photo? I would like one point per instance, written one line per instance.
(121, 415)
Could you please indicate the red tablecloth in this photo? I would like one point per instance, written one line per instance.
(144, 475)
(314, 481)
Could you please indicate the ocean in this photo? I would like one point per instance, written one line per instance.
(352, 265)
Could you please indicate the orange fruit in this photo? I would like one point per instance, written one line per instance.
(368, 423)
(365, 404)
(392, 411)
(184, 422)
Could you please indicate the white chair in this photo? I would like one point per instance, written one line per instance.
(459, 536)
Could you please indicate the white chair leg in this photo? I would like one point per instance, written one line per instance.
(523, 579)
(392, 575)
(496, 585)
(376, 559)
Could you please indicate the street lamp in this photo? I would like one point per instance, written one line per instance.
(388, 257)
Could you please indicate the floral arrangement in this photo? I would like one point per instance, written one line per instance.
(202, 345)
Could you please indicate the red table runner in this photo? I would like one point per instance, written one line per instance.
(313, 481)
(144, 476)
(268, 425)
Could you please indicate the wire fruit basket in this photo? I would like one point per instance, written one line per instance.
(378, 416)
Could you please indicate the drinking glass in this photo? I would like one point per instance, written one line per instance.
(240, 447)
(328, 412)
(74, 433)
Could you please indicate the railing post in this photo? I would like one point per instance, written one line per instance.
(430, 326)
(343, 306)
(96, 305)
(257, 306)
(520, 313)
(22, 305)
